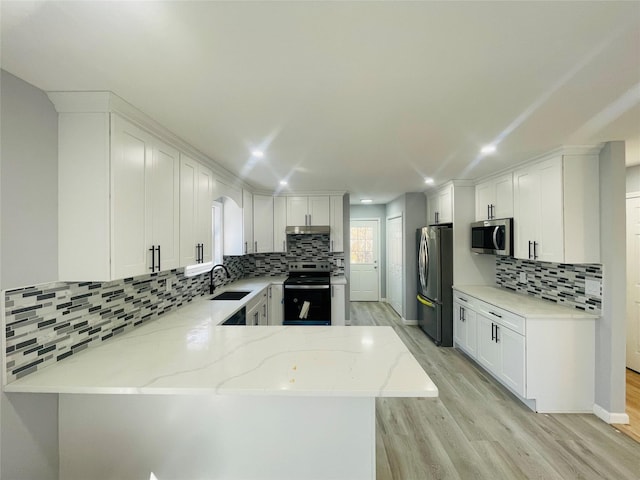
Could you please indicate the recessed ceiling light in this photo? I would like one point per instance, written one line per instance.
(366, 200)
(284, 182)
(258, 153)
(428, 180)
(487, 149)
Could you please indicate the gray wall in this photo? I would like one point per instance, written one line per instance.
(376, 212)
(611, 328)
(414, 210)
(28, 256)
(633, 179)
(29, 143)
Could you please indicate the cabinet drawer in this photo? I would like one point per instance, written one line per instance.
(503, 317)
(464, 299)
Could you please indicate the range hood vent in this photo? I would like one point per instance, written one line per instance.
(308, 230)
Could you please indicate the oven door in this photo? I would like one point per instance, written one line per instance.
(307, 304)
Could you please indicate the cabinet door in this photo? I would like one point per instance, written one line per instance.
(485, 196)
(319, 210)
(164, 187)
(188, 210)
(263, 223)
(471, 325)
(247, 221)
(337, 218)
(459, 327)
(296, 211)
(512, 359)
(131, 151)
(279, 224)
(526, 205)
(276, 305)
(503, 202)
(445, 212)
(488, 350)
(550, 236)
(338, 304)
(432, 208)
(204, 219)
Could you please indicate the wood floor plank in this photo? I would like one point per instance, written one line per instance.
(633, 406)
(477, 429)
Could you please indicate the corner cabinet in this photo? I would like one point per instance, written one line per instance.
(556, 210)
(120, 184)
(196, 195)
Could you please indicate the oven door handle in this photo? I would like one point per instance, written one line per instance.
(307, 287)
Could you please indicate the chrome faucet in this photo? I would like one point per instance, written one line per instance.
(212, 286)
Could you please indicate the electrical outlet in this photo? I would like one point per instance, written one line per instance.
(167, 285)
(523, 277)
(592, 287)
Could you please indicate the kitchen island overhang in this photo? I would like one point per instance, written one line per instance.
(186, 398)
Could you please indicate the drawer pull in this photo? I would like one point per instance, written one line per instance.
(462, 299)
(495, 314)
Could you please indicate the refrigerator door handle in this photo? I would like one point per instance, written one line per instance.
(425, 302)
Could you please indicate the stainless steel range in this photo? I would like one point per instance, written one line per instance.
(307, 294)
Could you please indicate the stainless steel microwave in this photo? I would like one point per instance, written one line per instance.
(493, 236)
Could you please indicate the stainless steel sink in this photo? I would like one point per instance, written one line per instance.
(237, 295)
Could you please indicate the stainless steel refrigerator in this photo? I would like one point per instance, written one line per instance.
(435, 278)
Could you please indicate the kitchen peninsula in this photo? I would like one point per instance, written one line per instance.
(184, 397)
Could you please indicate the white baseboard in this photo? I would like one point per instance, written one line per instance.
(610, 417)
(409, 322)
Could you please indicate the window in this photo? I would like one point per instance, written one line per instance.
(362, 245)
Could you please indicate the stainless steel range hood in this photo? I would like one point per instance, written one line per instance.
(308, 229)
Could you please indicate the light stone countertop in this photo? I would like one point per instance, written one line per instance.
(187, 352)
(338, 280)
(521, 304)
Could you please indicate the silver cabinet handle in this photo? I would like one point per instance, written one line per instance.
(535, 250)
(255, 250)
(530, 249)
(493, 213)
(489, 212)
(246, 247)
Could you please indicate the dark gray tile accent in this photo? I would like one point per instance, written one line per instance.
(556, 282)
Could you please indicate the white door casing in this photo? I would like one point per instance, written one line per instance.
(395, 264)
(633, 283)
(365, 272)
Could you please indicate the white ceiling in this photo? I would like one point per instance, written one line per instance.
(367, 97)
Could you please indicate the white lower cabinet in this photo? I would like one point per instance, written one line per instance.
(338, 305)
(258, 309)
(276, 304)
(465, 326)
(548, 362)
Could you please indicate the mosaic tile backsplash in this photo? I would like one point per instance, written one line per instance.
(556, 282)
(48, 323)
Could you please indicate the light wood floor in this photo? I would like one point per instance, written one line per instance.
(477, 430)
(633, 405)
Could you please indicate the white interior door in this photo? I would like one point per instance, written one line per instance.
(365, 274)
(395, 264)
(633, 283)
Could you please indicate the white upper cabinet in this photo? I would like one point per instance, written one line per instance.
(118, 199)
(263, 223)
(247, 220)
(440, 205)
(196, 187)
(306, 211)
(145, 200)
(556, 210)
(279, 224)
(494, 198)
(337, 219)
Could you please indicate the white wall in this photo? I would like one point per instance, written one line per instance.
(28, 256)
(610, 329)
